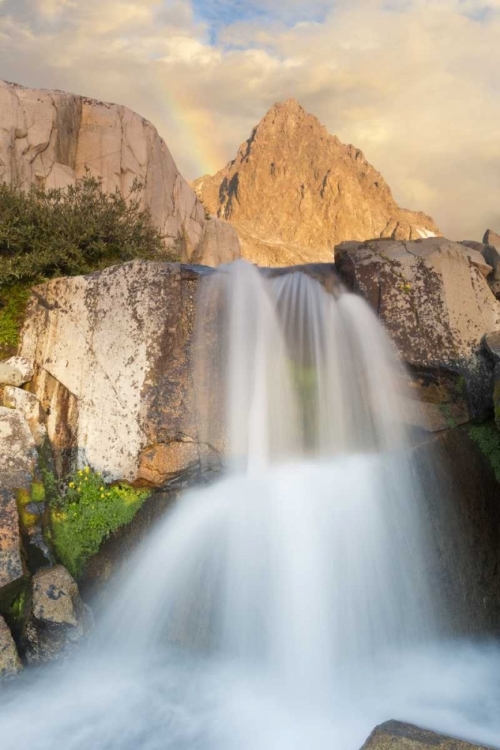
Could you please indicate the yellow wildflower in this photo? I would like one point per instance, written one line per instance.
(71, 484)
(87, 470)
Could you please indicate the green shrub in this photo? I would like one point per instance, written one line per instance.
(86, 513)
(13, 301)
(76, 230)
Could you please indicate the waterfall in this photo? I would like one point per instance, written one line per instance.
(290, 603)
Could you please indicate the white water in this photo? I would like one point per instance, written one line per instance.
(288, 605)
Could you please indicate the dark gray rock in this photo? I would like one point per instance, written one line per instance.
(394, 735)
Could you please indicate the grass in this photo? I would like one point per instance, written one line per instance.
(86, 513)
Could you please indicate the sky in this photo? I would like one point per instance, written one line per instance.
(414, 83)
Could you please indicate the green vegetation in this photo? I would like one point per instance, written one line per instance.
(487, 438)
(87, 512)
(48, 233)
(27, 501)
(56, 232)
(13, 301)
(16, 611)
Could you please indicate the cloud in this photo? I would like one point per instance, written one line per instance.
(413, 84)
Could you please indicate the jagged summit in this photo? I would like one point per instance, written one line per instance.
(294, 191)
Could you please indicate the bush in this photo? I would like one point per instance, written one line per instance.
(76, 230)
(13, 302)
(86, 513)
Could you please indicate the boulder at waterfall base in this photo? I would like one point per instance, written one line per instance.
(58, 619)
(394, 735)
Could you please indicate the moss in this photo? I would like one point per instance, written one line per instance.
(28, 504)
(487, 438)
(445, 410)
(13, 301)
(17, 609)
(86, 513)
(37, 492)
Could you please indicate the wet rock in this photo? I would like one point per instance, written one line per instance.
(394, 735)
(29, 406)
(459, 473)
(112, 353)
(15, 371)
(436, 305)
(10, 663)
(492, 345)
(58, 620)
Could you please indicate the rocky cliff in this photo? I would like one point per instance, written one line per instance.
(294, 191)
(52, 138)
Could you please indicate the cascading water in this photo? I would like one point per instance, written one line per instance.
(290, 603)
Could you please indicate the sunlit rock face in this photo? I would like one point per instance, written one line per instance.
(51, 138)
(294, 191)
(435, 301)
(112, 369)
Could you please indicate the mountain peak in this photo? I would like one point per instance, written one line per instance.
(294, 191)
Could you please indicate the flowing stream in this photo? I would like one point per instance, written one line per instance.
(290, 604)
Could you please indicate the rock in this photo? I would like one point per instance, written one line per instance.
(15, 371)
(12, 568)
(58, 620)
(294, 191)
(477, 259)
(492, 344)
(491, 255)
(112, 354)
(22, 505)
(220, 244)
(436, 305)
(10, 663)
(394, 735)
(52, 138)
(18, 457)
(29, 406)
(459, 473)
(491, 238)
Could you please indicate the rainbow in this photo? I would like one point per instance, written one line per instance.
(197, 130)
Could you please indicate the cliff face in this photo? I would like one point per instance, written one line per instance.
(294, 191)
(53, 138)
